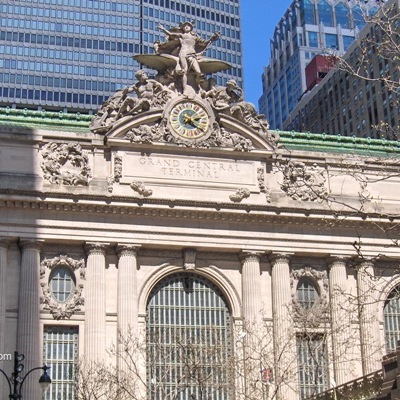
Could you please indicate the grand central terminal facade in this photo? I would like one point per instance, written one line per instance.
(178, 242)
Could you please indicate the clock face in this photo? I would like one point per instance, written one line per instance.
(189, 120)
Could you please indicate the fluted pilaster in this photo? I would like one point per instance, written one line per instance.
(284, 337)
(95, 302)
(4, 243)
(127, 291)
(368, 314)
(251, 292)
(28, 339)
(341, 320)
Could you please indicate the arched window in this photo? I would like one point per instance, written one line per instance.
(188, 340)
(391, 315)
(307, 293)
(62, 284)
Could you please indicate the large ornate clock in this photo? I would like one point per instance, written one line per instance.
(189, 119)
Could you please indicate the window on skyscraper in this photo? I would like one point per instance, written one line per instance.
(325, 13)
(312, 39)
(342, 13)
(347, 41)
(358, 17)
(308, 12)
(331, 41)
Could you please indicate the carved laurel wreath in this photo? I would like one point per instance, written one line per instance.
(319, 311)
(65, 309)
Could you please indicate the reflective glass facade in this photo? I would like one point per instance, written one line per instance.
(73, 54)
(308, 28)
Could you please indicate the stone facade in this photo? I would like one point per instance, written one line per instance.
(267, 219)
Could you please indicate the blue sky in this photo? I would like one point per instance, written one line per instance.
(259, 18)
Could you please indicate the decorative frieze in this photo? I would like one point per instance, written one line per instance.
(65, 163)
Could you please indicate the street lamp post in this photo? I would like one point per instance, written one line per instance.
(16, 381)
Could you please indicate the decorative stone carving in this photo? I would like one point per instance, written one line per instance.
(242, 193)
(149, 94)
(181, 81)
(62, 310)
(318, 312)
(116, 176)
(229, 100)
(65, 163)
(304, 183)
(141, 189)
(262, 185)
(189, 259)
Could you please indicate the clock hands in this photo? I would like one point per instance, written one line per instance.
(193, 120)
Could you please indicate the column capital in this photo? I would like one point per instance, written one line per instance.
(96, 248)
(275, 258)
(335, 260)
(127, 249)
(365, 262)
(31, 244)
(4, 243)
(250, 255)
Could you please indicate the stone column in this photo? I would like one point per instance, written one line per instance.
(340, 319)
(29, 335)
(368, 313)
(4, 243)
(95, 302)
(127, 296)
(284, 336)
(251, 293)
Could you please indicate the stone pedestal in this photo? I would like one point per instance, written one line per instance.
(127, 298)
(340, 319)
(29, 334)
(371, 350)
(284, 336)
(95, 303)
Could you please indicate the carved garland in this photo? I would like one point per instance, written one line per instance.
(306, 183)
(65, 163)
(316, 314)
(62, 310)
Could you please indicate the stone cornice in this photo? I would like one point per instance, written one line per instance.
(167, 208)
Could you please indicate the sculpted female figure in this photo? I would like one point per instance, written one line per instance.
(188, 47)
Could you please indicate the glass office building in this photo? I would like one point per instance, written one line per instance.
(73, 54)
(308, 28)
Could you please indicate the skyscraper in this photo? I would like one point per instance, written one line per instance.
(308, 28)
(72, 54)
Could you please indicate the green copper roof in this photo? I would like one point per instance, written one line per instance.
(34, 119)
(75, 122)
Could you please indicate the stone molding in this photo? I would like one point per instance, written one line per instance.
(62, 310)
